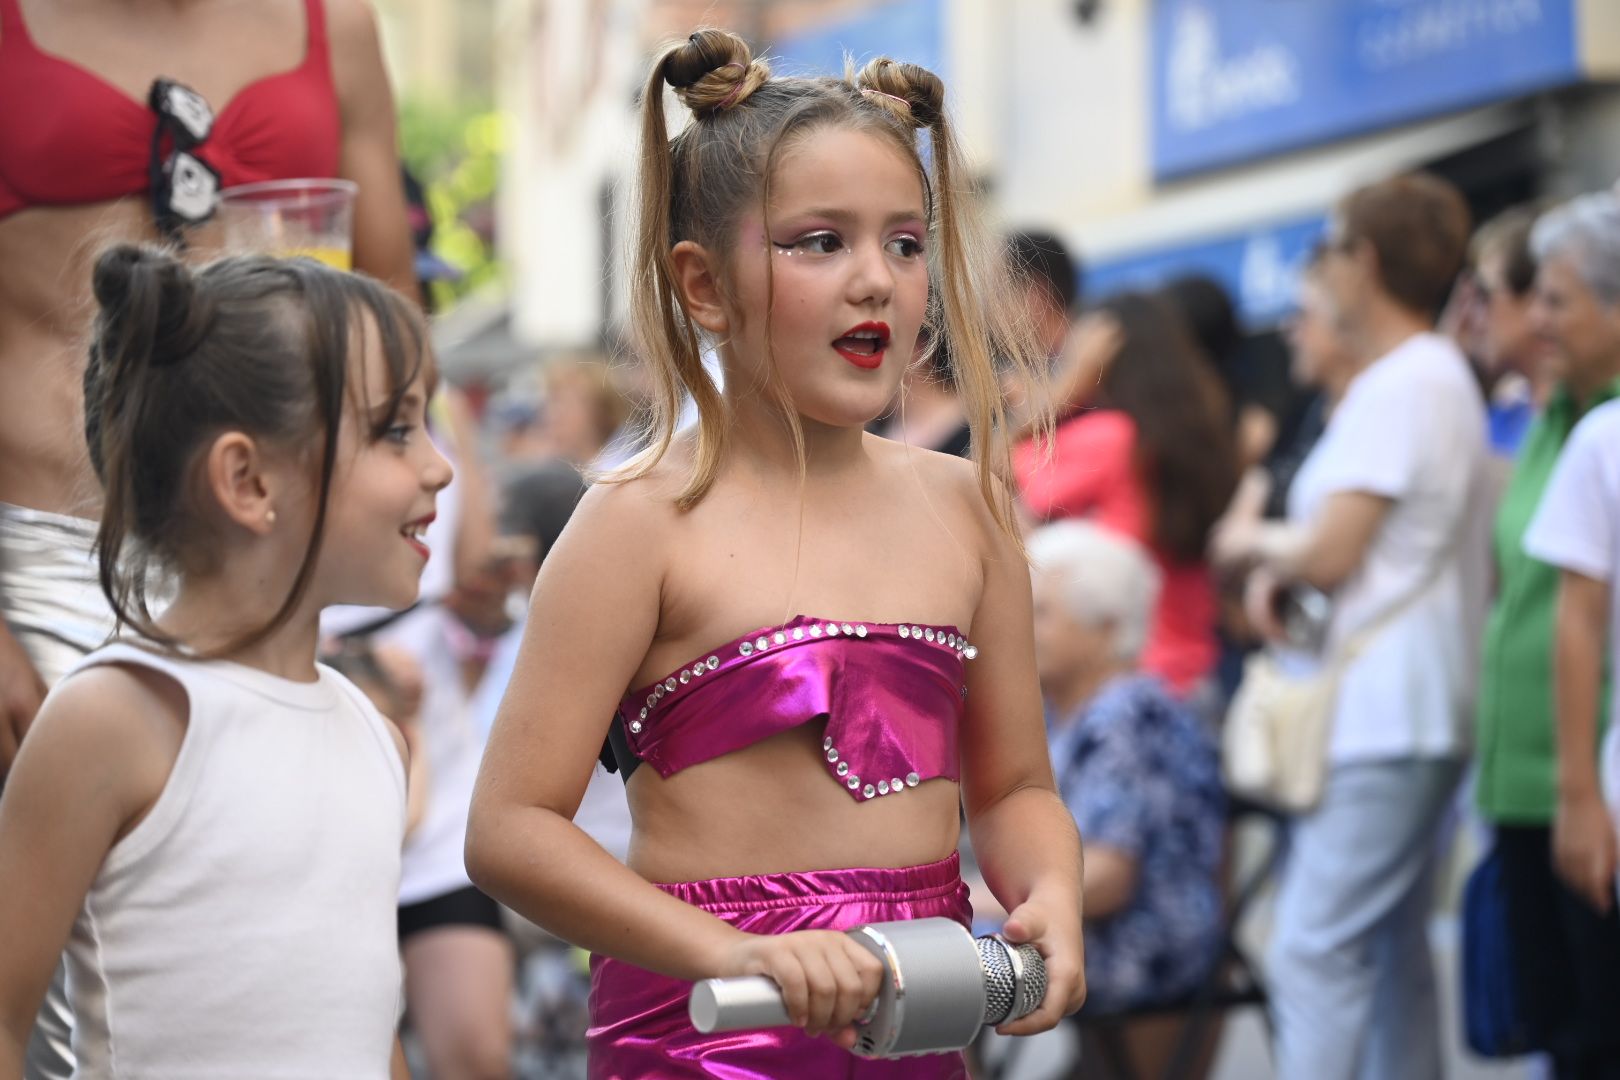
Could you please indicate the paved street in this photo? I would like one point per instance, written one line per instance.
(1244, 1056)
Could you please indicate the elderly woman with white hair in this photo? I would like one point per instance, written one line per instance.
(1538, 733)
(1135, 766)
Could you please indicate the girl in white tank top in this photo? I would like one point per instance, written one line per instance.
(204, 818)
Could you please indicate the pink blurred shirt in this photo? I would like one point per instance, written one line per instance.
(1092, 473)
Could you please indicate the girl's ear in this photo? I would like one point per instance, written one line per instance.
(697, 283)
(240, 480)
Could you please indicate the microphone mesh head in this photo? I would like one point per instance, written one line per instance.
(999, 988)
(1010, 993)
(1033, 988)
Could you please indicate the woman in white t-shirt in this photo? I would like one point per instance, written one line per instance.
(1386, 517)
(1577, 529)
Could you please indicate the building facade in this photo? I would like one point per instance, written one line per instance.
(1157, 136)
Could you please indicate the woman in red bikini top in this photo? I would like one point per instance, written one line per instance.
(296, 88)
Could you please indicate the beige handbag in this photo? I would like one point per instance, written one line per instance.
(1275, 740)
(1274, 743)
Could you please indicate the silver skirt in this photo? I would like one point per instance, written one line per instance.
(50, 593)
(50, 596)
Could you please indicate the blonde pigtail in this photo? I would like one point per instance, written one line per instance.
(711, 72)
(976, 305)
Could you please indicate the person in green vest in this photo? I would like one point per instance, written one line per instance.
(1567, 955)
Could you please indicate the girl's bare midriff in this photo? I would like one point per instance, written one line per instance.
(771, 808)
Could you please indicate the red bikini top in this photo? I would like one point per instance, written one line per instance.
(68, 137)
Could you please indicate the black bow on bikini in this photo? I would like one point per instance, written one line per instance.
(183, 185)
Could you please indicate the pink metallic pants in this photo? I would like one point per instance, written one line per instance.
(639, 1026)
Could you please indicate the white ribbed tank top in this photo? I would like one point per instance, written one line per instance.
(246, 927)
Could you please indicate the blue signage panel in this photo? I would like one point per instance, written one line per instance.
(909, 30)
(1260, 268)
(1235, 80)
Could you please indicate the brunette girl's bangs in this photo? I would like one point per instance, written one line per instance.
(407, 355)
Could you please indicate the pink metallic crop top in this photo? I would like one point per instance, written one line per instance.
(891, 695)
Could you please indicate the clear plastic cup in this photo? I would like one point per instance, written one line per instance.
(292, 217)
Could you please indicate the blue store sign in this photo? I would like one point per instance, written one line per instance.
(1235, 80)
(1260, 268)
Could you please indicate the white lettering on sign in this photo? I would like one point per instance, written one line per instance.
(1268, 280)
(1205, 88)
(1415, 30)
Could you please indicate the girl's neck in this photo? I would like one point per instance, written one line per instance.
(920, 391)
(928, 405)
(208, 615)
(760, 435)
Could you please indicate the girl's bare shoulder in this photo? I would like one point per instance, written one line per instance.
(950, 483)
(642, 489)
(627, 515)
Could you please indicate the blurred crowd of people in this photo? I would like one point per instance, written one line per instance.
(1427, 529)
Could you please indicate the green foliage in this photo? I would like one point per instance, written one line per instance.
(455, 150)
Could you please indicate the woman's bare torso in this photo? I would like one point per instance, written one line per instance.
(46, 252)
(886, 543)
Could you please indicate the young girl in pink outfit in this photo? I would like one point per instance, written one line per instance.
(817, 642)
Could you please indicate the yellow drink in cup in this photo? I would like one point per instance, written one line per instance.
(287, 218)
(335, 257)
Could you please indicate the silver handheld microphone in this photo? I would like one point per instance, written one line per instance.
(940, 985)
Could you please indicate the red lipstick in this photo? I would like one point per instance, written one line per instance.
(864, 345)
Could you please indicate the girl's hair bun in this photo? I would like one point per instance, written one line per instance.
(151, 310)
(713, 71)
(126, 272)
(914, 93)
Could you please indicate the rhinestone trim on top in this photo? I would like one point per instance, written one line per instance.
(771, 639)
(892, 786)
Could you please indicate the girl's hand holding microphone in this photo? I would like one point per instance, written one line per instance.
(827, 980)
(1055, 933)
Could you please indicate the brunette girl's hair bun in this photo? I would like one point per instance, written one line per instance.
(713, 71)
(912, 93)
(151, 310)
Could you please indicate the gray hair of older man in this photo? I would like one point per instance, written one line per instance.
(1585, 230)
(1101, 578)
